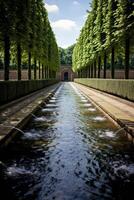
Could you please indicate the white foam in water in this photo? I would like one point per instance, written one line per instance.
(110, 134)
(14, 171)
(80, 96)
(58, 91)
(47, 110)
(84, 100)
(52, 101)
(91, 109)
(75, 89)
(107, 134)
(79, 93)
(53, 98)
(51, 105)
(99, 118)
(31, 135)
(124, 170)
(87, 104)
(40, 119)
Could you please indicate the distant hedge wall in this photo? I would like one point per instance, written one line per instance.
(11, 90)
(121, 88)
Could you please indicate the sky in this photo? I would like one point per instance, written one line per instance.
(67, 17)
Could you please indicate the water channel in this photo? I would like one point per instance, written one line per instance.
(70, 151)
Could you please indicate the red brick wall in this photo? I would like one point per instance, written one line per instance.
(13, 74)
(119, 74)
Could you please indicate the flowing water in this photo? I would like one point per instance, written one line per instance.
(70, 151)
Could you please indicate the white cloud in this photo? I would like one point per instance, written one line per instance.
(52, 8)
(66, 38)
(66, 31)
(64, 24)
(76, 3)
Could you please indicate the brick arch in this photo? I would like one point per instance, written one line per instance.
(67, 70)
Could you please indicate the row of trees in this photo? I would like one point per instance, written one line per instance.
(27, 37)
(105, 38)
(66, 55)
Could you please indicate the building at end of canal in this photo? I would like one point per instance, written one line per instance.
(66, 73)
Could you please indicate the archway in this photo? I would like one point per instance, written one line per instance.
(66, 76)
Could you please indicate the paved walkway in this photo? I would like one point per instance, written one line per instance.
(121, 110)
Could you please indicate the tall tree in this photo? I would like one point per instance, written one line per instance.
(7, 19)
(108, 24)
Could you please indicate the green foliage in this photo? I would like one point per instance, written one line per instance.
(7, 17)
(108, 24)
(66, 55)
(27, 26)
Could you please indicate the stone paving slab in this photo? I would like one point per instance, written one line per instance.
(16, 114)
(120, 110)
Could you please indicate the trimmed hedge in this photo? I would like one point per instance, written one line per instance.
(118, 87)
(11, 90)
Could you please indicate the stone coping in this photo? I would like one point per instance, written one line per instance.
(14, 117)
(118, 109)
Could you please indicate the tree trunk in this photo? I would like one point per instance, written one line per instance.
(127, 54)
(6, 57)
(99, 66)
(91, 70)
(78, 74)
(19, 60)
(112, 63)
(42, 71)
(81, 73)
(45, 72)
(88, 72)
(55, 74)
(52, 75)
(105, 65)
(85, 72)
(95, 69)
(29, 65)
(48, 72)
(35, 69)
(39, 71)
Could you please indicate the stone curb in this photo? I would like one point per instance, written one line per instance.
(128, 126)
(10, 127)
